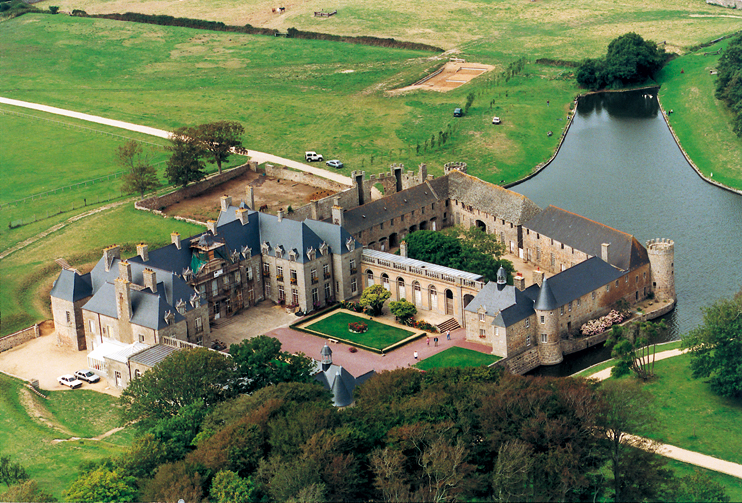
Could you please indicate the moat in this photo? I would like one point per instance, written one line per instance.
(619, 165)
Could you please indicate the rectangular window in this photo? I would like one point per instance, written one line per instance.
(237, 277)
(593, 295)
(266, 270)
(528, 340)
(214, 287)
(391, 221)
(481, 316)
(313, 274)
(570, 307)
(249, 273)
(279, 273)
(482, 333)
(538, 253)
(353, 285)
(294, 296)
(401, 218)
(92, 326)
(616, 283)
(637, 279)
(528, 323)
(328, 292)
(69, 318)
(607, 288)
(353, 269)
(626, 280)
(561, 311)
(543, 338)
(326, 271)
(281, 293)
(578, 302)
(292, 273)
(381, 225)
(202, 290)
(315, 296)
(199, 325)
(553, 261)
(141, 338)
(337, 287)
(542, 320)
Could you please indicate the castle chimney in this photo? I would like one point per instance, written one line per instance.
(142, 251)
(604, 249)
(226, 202)
(519, 281)
(123, 300)
(211, 225)
(336, 201)
(538, 277)
(337, 215)
(242, 215)
(250, 198)
(403, 249)
(125, 270)
(109, 254)
(280, 214)
(150, 279)
(423, 173)
(314, 215)
(175, 239)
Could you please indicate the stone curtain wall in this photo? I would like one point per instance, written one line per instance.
(348, 200)
(18, 338)
(303, 177)
(155, 203)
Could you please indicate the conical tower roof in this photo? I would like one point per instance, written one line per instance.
(546, 300)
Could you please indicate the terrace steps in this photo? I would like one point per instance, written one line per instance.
(449, 324)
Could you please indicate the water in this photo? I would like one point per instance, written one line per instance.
(619, 165)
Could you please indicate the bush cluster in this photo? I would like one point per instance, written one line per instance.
(358, 327)
(421, 325)
(595, 327)
(729, 82)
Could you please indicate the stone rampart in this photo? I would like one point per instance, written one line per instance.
(156, 203)
(303, 177)
(18, 338)
(321, 209)
(521, 363)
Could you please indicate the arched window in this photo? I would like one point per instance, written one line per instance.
(418, 293)
(433, 297)
(369, 277)
(385, 281)
(401, 292)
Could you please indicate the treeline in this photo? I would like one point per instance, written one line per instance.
(200, 24)
(445, 435)
(729, 82)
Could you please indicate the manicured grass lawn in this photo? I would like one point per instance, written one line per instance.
(27, 275)
(457, 357)
(28, 440)
(702, 123)
(732, 485)
(378, 336)
(690, 416)
(610, 363)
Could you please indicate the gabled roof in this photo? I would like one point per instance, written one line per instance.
(586, 235)
(395, 205)
(149, 310)
(72, 286)
(335, 236)
(104, 301)
(238, 236)
(290, 234)
(153, 355)
(508, 305)
(493, 199)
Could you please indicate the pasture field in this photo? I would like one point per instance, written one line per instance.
(378, 336)
(291, 95)
(457, 357)
(559, 29)
(27, 275)
(30, 424)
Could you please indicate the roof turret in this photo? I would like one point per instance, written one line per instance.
(545, 300)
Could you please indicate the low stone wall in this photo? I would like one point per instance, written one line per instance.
(303, 177)
(521, 363)
(18, 338)
(156, 203)
(575, 345)
(348, 199)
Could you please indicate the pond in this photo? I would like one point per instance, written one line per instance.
(619, 165)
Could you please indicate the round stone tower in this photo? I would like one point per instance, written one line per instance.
(549, 346)
(662, 260)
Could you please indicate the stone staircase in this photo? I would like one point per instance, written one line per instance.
(449, 324)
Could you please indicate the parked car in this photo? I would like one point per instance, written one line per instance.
(87, 376)
(69, 380)
(335, 164)
(496, 120)
(310, 156)
(457, 112)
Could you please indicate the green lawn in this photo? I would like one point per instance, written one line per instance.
(457, 357)
(27, 275)
(27, 438)
(610, 363)
(702, 123)
(379, 335)
(732, 485)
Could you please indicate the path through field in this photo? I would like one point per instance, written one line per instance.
(260, 157)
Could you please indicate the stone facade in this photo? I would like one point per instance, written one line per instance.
(69, 322)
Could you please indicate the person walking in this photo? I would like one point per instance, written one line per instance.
(415, 355)
(427, 341)
(448, 335)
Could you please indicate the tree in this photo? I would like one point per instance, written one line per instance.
(631, 347)
(716, 347)
(260, 362)
(403, 309)
(11, 472)
(700, 488)
(140, 176)
(227, 487)
(28, 490)
(373, 298)
(102, 485)
(219, 138)
(469, 102)
(513, 471)
(183, 378)
(475, 237)
(53, 9)
(185, 164)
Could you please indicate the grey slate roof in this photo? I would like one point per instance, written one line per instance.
(104, 301)
(290, 234)
(493, 199)
(238, 236)
(370, 214)
(507, 304)
(586, 235)
(148, 309)
(169, 258)
(72, 286)
(341, 383)
(545, 300)
(152, 355)
(334, 235)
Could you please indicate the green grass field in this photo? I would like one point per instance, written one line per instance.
(379, 335)
(732, 485)
(610, 363)
(29, 425)
(457, 357)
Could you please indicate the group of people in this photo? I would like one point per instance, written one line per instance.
(435, 340)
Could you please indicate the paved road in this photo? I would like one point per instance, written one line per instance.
(260, 157)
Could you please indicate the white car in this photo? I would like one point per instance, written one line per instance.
(313, 156)
(87, 375)
(496, 120)
(69, 380)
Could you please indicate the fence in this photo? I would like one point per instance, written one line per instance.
(18, 338)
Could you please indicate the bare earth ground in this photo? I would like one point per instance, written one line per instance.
(453, 75)
(274, 192)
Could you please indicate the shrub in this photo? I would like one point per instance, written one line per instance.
(53, 9)
(358, 327)
(595, 327)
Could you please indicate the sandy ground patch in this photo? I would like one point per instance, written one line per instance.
(273, 192)
(453, 75)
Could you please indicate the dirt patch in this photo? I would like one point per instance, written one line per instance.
(273, 192)
(453, 75)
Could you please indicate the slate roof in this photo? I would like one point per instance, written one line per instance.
(341, 383)
(169, 258)
(72, 286)
(364, 217)
(586, 235)
(493, 199)
(152, 355)
(334, 235)
(238, 236)
(290, 234)
(507, 304)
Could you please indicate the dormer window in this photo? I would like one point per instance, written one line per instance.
(265, 248)
(246, 252)
(293, 255)
(311, 253)
(279, 252)
(180, 306)
(350, 244)
(323, 248)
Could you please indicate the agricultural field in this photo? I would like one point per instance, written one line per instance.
(36, 432)
(379, 335)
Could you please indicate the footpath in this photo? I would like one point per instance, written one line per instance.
(671, 451)
(260, 157)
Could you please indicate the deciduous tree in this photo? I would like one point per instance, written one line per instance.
(26, 491)
(185, 164)
(373, 298)
(228, 487)
(102, 485)
(11, 472)
(219, 138)
(716, 347)
(402, 309)
(140, 176)
(634, 347)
